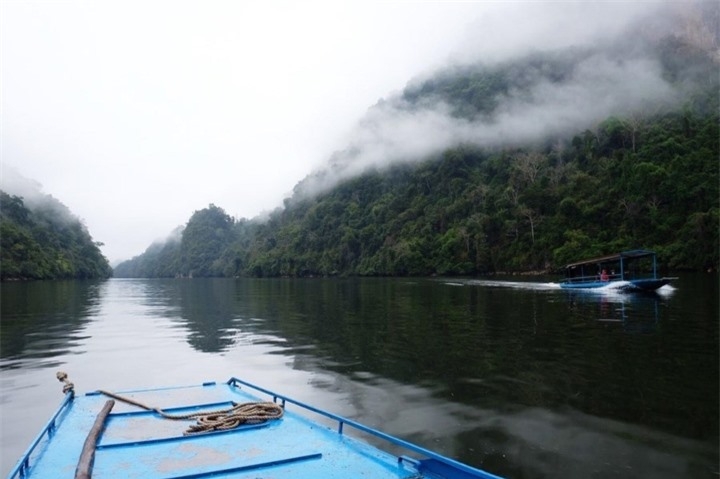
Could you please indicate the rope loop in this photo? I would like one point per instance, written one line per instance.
(63, 378)
(220, 420)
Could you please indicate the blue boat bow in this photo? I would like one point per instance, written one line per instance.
(131, 443)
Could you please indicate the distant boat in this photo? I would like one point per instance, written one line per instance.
(634, 270)
(241, 431)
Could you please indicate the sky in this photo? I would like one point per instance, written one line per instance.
(135, 114)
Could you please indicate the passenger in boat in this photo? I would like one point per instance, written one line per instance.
(604, 276)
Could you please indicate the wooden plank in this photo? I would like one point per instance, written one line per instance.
(87, 456)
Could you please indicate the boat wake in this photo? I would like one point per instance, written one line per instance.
(625, 287)
(513, 284)
(616, 288)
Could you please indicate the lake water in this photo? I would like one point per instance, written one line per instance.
(517, 377)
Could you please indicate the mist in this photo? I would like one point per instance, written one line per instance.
(617, 73)
(135, 114)
(600, 86)
(31, 192)
(15, 184)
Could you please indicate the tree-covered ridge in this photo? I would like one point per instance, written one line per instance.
(206, 246)
(516, 210)
(644, 178)
(46, 242)
(650, 183)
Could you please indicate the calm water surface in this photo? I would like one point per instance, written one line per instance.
(520, 378)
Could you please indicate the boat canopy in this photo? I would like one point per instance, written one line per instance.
(631, 254)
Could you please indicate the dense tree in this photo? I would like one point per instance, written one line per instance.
(205, 238)
(641, 179)
(46, 242)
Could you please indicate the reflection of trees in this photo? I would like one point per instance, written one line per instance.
(499, 348)
(207, 307)
(43, 318)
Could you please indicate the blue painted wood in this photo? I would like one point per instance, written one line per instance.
(144, 445)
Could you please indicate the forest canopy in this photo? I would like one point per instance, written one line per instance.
(645, 178)
(46, 242)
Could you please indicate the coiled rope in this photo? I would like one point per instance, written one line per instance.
(220, 420)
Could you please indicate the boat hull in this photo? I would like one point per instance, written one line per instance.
(137, 443)
(648, 284)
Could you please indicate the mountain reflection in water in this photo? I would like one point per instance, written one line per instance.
(518, 377)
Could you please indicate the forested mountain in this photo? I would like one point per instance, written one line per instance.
(45, 241)
(643, 175)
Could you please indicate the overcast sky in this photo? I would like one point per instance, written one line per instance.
(134, 114)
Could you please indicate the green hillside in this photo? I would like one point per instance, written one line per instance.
(635, 179)
(46, 242)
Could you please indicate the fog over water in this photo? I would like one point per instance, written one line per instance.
(134, 114)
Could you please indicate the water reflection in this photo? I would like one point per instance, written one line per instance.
(524, 355)
(205, 308)
(634, 313)
(489, 347)
(522, 378)
(43, 320)
(537, 442)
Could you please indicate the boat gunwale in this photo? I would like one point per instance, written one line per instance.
(23, 468)
(342, 421)
(23, 464)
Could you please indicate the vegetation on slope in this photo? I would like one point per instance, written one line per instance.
(628, 184)
(46, 242)
(638, 179)
(522, 210)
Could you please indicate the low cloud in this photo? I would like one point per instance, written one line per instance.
(13, 183)
(397, 131)
(31, 192)
(622, 77)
